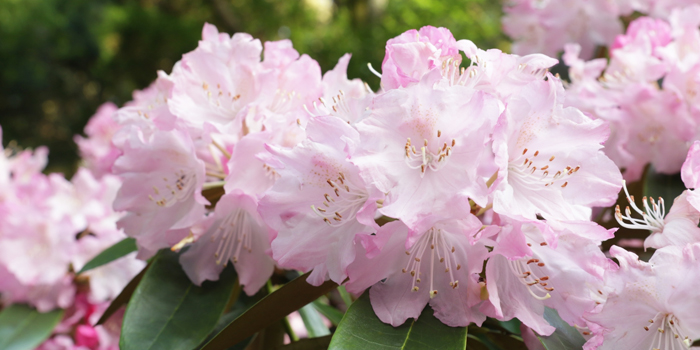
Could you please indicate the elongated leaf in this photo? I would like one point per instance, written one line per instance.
(565, 337)
(167, 311)
(313, 322)
(332, 314)
(290, 297)
(320, 343)
(118, 250)
(23, 328)
(123, 296)
(361, 329)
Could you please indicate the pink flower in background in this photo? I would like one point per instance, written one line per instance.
(319, 203)
(438, 266)
(651, 305)
(423, 145)
(238, 234)
(161, 189)
(646, 32)
(97, 149)
(546, 26)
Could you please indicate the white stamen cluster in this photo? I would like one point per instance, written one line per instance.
(526, 270)
(435, 239)
(342, 204)
(668, 333)
(652, 216)
(233, 233)
(536, 171)
(426, 159)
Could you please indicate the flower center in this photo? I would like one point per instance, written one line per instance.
(342, 204)
(221, 98)
(439, 246)
(652, 216)
(234, 233)
(536, 171)
(669, 334)
(283, 101)
(526, 269)
(427, 159)
(174, 189)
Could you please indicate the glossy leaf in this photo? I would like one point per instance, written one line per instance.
(123, 297)
(565, 337)
(313, 322)
(118, 250)
(275, 306)
(320, 343)
(24, 328)
(167, 311)
(332, 314)
(361, 329)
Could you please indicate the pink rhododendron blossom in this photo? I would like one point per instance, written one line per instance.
(161, 189)
(319, 203)
(550, 159)
(439, 266)
(646, 31)
(652, 305)
(238, 234)
(97, 150)
(423, 145)
(528, 271)
(414, 53)
(690, 173)
(546, 26)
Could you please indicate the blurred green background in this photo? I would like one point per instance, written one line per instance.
(61, 59)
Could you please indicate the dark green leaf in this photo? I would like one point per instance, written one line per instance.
(320, 343)
(290, 297)
(332, 314)
(565, 337)
(118, 250)
(167, 311)
(123, 296)
(23, 328)
(313, 322)
(361, 329)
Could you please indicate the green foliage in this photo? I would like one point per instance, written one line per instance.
(564, 337)
(118, 250)
(361, 329)
(63, 58)
(168, 312)
(23, 328)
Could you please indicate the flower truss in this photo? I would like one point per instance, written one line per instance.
(467, 187)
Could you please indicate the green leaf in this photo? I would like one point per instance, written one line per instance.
(167, 311)
(275, 306)
(658, 185)
(332, 314)
(564, 338)
(118, 250)
(123, 296)
(23, 328)
(361, 329)
(320, 343)
(313, 322)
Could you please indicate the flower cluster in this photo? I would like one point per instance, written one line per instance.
(466, 186)
(546, 26)
(49, 229)
(647, 92)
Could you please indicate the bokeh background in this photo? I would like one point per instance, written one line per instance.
(61, 59)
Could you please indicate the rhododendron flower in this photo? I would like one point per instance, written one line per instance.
(319, 203)
(652, 305)
(690, 173)
(423, 145)
(550, 159)
(438, 266)
(414, 53)
(238, 234)
(161, 189)
(529, 270)
(97, 150)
